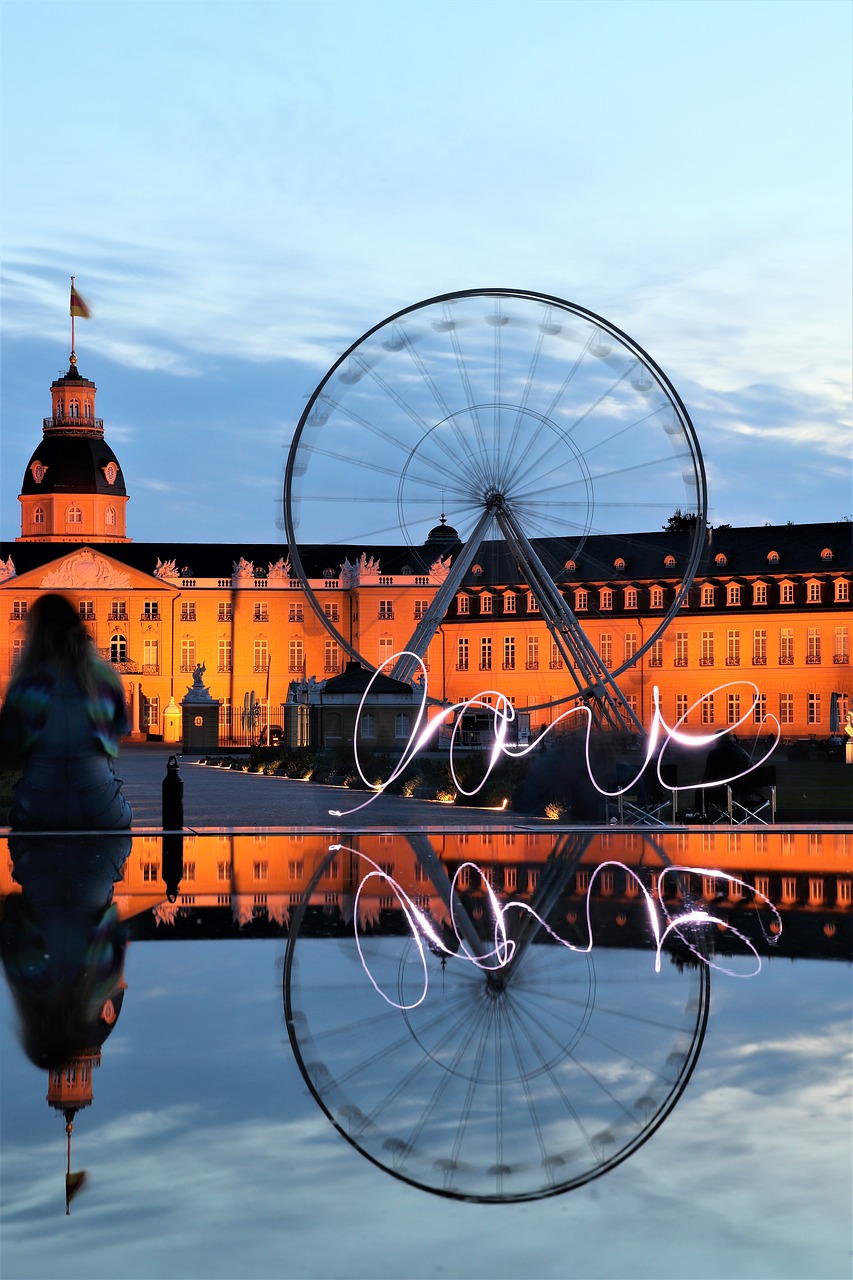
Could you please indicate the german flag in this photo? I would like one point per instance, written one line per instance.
(79, 307)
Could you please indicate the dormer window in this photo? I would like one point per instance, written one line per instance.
(707, 597)
(733, 594)
(669, 562)
(619, 563)
(632, 598)
(581, 600)
(720, 558)
(328, 573)
(759, 593)
(463, 604)
(606, 598)
(571, 567)
(813, 592)
(656, 598)
(509, 602)
(477, 570)
(772, 557)
(826, 554)
(486, 604)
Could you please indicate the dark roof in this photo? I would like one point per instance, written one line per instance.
(355, 679)
(73, 464)
(798, 547)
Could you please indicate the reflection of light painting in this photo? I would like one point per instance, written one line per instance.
(660, 735)
(500, 955)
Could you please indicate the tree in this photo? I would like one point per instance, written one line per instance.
(680, 521)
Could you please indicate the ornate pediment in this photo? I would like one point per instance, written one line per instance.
(85, 569)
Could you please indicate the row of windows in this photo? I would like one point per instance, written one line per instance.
(151, 611)
(630, 645)
(583, 598)
(74, 515)
(72, 409)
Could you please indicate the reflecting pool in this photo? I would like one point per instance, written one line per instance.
(484, 1054)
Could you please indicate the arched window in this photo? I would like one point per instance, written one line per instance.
(110, 516)
(87, 410)
(38, 515)
(118, 648)
(74, 409)
(826, 554)
(669, 562)
(772, 557)
(733, 593)
(74, 515)
(619, 562)
(720, 558)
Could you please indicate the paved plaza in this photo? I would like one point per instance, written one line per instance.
(220, 798)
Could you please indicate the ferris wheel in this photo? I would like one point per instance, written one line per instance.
(515, 417)
(503, 1083)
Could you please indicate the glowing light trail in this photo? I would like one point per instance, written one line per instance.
(660, 735)
(504, 948)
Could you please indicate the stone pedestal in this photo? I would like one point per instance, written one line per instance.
(199, 717)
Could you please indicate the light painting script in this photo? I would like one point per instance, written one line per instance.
(503, 712)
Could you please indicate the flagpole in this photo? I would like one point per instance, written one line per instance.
(71, 309)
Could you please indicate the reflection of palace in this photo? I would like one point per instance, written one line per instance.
(230, 883)
(769, 605)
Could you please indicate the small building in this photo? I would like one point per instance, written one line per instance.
(331, 712)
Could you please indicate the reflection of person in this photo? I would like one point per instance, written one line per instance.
(61, 722)
(63, 945)
(62, 942)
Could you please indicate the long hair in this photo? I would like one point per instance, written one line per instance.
(57, 640)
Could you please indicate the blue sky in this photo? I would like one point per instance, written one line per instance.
(242, 190)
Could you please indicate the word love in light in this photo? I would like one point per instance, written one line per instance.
(498, 955)
(659, 737)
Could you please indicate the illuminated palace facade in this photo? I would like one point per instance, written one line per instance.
(769, 605)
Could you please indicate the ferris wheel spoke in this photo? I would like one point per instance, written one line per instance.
(608, 441)
(521, 416)
(523, 1075)
(392, 438)
(468, 391)
(621, 472)
(568, 380)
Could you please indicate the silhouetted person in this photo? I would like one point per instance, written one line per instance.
(61, 722)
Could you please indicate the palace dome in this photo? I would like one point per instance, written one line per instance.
(73, 464)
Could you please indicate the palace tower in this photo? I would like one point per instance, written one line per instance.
(73, 489)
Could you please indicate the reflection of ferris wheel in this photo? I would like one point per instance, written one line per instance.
(504, 1086)
(519, 418)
